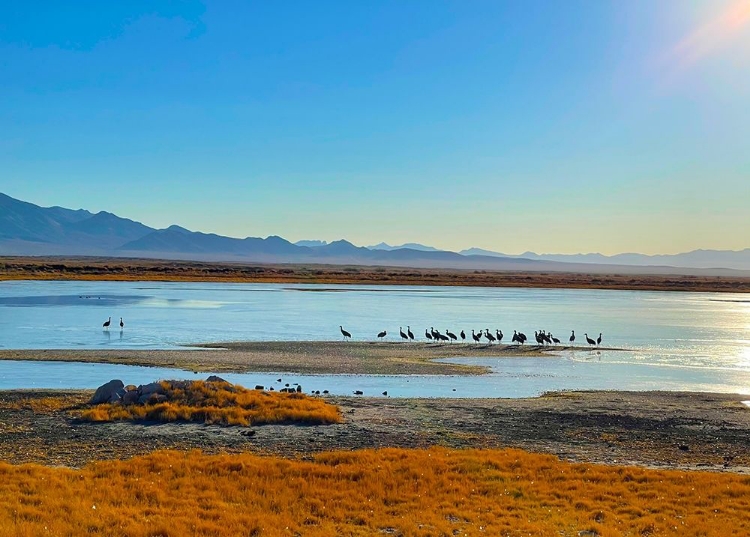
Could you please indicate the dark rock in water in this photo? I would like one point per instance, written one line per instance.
(385, 393)
(325, 392)
(270, 389)
(358, 392)
(248, 433)
(684, 447)
(259, 387)
(214, 378)
(299, 389)
(105, 392)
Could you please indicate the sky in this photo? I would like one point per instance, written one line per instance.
(551, 126)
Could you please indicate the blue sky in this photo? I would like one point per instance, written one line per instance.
(572, 126)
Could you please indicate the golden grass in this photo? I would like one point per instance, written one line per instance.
(42, 405)
(388, 492)
(221, 403)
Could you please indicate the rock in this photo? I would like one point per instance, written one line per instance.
(130, 398)
(157, 398)
(104, 392)
(131, 388)
(148, 389)
(358, 392)
(214, 378)
(116, 397)
(299, 389)
(683, 447)
(259, 387)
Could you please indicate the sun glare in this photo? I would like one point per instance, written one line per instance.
(709, 37)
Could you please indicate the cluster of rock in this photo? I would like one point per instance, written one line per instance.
(115, 391)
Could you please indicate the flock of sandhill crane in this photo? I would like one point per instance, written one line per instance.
(542, 337)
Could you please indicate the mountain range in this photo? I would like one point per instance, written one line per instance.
(27, 229)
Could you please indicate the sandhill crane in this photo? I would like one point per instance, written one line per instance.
(499, 335)
(589, 340)
(427, 334)
(451, 335)
(489, 336)
(106, 323)
(572, 337)
(409, 333)
(403, 336)
(545, 337)
(599, 339)
(476, 337)
(382, 334)
(345, 333)
(463, 336)
(122, 324)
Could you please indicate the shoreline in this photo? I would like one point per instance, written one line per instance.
(129, 270)
(679, 430)
(302, 357)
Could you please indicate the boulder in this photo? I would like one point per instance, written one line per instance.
(148, 389)
(214, 378)
(130, 398)
(116, 397)
(259, 387)
(131, 388)
(105, 392)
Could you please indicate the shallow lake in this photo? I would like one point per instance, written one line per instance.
(697, 341)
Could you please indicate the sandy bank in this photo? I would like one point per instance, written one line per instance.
(304, 357)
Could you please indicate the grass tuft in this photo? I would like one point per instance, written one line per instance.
(220, 403)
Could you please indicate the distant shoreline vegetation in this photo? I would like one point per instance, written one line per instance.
(127, 269)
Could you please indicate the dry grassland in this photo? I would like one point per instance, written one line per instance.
(386, 492)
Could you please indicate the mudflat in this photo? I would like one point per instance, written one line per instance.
(303, 357)
(654, 429)
(116, 269)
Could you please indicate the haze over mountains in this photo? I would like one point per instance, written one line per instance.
(27, 229)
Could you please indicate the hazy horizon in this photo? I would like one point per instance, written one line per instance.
(565, 128)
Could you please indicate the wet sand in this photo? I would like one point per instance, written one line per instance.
(655, 429)
(302, 357)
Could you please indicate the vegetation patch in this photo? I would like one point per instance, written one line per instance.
(370, 492)
(210, 402)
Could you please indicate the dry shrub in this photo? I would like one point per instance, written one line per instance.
(221, 403)
(42, 405)
(390, 491)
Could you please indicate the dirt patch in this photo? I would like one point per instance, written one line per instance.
(654, 429)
